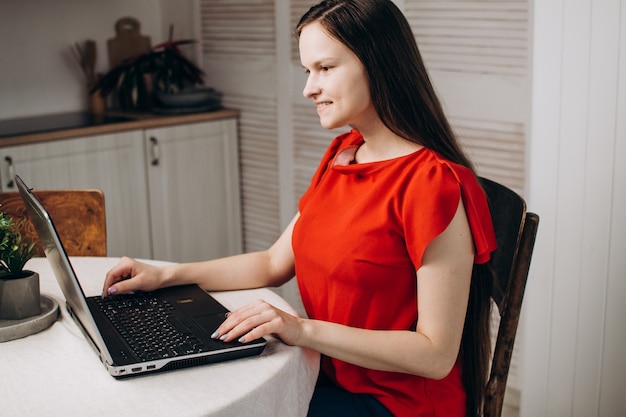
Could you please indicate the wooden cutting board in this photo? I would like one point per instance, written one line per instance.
(128, 41)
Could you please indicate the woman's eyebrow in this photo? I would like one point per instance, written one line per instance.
(320, 62)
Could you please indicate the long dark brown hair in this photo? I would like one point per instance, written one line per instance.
(379, 35)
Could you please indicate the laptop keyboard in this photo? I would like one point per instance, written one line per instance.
(149, 328)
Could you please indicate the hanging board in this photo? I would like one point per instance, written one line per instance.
(128, 41)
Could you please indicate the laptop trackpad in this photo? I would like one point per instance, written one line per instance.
(209, 323)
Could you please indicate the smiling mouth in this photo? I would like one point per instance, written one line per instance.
(323, 105)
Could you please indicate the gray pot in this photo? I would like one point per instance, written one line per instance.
(20, 297)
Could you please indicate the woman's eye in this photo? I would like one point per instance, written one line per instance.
(324, 69)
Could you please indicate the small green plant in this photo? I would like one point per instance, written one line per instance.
(14, 253)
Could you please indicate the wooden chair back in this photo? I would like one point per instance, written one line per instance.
(516, 230)
(78, 215)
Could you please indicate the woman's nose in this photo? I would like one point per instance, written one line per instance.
(310, 87)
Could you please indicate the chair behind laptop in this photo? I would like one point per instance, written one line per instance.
(79, 216)
(515, 232)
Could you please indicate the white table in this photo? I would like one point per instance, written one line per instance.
(56, 373)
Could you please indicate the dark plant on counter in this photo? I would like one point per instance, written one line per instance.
(14, 252)
(164, 69)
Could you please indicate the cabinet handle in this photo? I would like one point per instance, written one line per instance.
(11, 168)
(154, 151)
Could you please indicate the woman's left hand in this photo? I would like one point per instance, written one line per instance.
(259, 319)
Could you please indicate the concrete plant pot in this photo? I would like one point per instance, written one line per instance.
(20, 296)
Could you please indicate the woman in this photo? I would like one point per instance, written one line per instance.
(385, 239)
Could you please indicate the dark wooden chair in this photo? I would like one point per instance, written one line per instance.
(516, 230)
(79, 217)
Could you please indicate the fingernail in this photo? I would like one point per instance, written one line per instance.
(112, 290)
(242, 339)
(214, 335)
(224, 336)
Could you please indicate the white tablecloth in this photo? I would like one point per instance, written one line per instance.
(55, 372)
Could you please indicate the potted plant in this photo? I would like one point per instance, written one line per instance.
(162, 70)
(19, 288)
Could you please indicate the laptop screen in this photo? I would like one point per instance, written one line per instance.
(62, 268)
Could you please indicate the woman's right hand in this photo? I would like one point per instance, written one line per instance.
(130, 275)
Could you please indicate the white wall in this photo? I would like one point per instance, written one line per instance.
(573, 356)
(37, 73)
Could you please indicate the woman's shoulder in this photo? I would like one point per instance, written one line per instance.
(438, 182)
(439, 185)
(434, 167)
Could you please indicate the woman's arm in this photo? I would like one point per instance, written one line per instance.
(443, 284)
(272, 267)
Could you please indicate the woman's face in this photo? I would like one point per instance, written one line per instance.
(337, 81)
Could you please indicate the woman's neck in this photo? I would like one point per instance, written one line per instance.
(382, 144)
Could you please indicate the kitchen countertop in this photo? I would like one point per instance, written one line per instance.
(45, 128)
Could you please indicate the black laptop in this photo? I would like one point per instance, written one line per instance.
(144, 332)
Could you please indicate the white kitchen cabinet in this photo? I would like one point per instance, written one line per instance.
(113, 163)
(193, 182)
(171, 193)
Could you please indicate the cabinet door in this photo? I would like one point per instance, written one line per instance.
(113, 163)
(193, 176)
